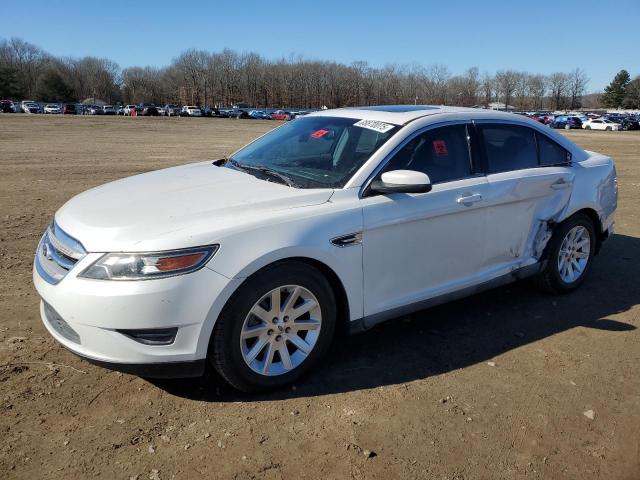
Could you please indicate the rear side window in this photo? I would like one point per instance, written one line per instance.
(509, 147)
(441, 153)
(550, 152)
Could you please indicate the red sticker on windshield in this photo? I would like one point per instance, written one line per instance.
(319, 133)
(440, 148)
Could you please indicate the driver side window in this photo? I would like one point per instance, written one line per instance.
(442, 153)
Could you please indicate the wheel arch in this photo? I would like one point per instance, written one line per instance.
(337, 285)
(601, 235)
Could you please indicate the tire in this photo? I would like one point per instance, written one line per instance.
(588, 127)
(608, 129)
(567, 127)
(554, 278)
(242, 361)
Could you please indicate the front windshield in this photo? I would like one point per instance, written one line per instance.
(317, 152)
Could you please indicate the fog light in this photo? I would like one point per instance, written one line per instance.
(152, 336)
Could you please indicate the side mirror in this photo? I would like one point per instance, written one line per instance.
(402, 181)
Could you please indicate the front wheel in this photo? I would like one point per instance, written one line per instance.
(567, 127)
(588, 127)
(608, 129)
(568, 255)
(276, 327)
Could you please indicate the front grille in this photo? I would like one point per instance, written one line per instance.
(59, 325)
(57, 254)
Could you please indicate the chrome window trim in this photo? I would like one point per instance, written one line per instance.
(432, 126)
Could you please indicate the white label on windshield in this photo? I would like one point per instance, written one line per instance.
(374, 125)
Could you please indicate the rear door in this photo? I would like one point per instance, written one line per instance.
(530, 179)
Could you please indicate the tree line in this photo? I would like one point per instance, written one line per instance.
(228, 77)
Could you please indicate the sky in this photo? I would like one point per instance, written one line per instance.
(538, 36)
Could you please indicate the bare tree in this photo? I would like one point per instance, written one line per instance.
(558, 86)
(577, 85)
(506, 82)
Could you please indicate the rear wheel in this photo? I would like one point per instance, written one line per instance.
(608, 129)
(568, 255)
(567, 127)
(588, 127)
(275, 328)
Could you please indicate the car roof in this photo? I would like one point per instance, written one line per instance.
(402, 114)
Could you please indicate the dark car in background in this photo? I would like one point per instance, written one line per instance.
(171, 110)
(6, 106)
(148, 110)
(69, 109)
(626, 122)
(566, 122)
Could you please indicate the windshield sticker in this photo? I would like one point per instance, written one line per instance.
(374, 125)
(319, 133)
(440, 148)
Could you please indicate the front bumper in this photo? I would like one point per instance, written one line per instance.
(94, 311)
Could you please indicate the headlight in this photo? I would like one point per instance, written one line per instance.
(146, 266)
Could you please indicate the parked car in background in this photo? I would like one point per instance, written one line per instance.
(149, 110)
(7, 106)
(29, 106)
(259, 115)
(281, 115)
(94, 110)
(338, 220)
(629, 123)
(128, 108)
(239, 113)
(601, 124)
(171, 110)
(191, 111)
(544, 118)
(52, 108)
(69, 109)
(216, 113)
(108, 110)
(566, 122)
(626, 123)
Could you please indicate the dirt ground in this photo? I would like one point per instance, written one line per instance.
(508, 384)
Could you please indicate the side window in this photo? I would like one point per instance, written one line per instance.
(550, 152)
(509, 147)
(441, 153)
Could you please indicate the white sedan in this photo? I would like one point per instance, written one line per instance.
(339, 219)
(52, 108)
(601, 124)
(191, 111)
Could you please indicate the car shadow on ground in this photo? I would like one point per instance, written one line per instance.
(458, 334)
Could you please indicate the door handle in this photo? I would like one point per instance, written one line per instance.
(560, 183)
(469, 199)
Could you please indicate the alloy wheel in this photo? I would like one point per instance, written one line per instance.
(574, 254)
(281, 330)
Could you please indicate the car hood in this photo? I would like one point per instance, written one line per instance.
(178, 207)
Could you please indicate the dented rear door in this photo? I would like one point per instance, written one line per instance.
(524, 195)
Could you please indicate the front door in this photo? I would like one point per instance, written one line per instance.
(418, 246)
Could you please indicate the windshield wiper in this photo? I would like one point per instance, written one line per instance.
(264, 170)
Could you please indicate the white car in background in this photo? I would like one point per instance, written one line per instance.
(128, 109)
(601, 124)
(340, 219)
(191, 111)
(52, 108)
(29, 106)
